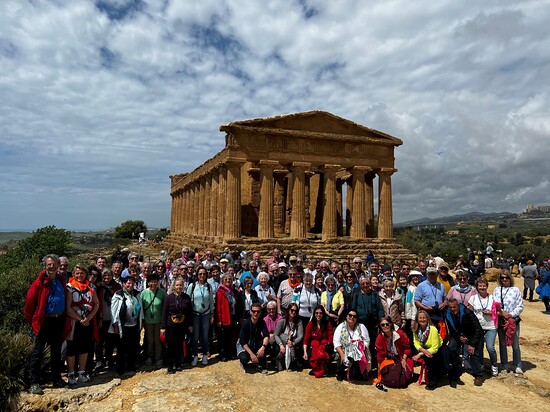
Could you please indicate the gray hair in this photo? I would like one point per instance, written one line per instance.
(330, 279)
(271, 304)
(308, 277)
(387, 282)
(50, 256)
(262, 274)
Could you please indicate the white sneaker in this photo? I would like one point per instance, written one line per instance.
(71, 379)
(195, 361)
(518, 371)
(83, 378)
(204, 360)
(494, 370)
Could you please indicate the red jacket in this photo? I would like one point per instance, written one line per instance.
(37, 299)
(323, 337)
(402, 345)
(222, 309)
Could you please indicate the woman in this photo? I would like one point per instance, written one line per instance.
(177, 314)
(107, 341)
(430, 348)
(289, 333)
(392, 304)
(307, 297)
(226, 316)
(153, 299)
(333, 301)
(271, 320)
(82, 305)
(348, 289)
(248, 296)
(462, 291)
(510, 307)
(264, 291)
(320, 282)
(543, 289)
(160, 271)
(410, 307)
(481, 304)
(374, 283)
(126, 323)
(318, 336)
(351, 342)
(340, 277)
(402, 286)
(392, 345)
(202, 299)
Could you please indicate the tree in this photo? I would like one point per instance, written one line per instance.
(130, 229)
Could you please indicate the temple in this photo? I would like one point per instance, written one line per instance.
(299, 178)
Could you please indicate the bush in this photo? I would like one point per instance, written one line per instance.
(130, 229)
(14, 360)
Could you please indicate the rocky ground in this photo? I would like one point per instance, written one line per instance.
(226, 387)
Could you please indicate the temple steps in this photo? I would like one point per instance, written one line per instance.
(343, 248)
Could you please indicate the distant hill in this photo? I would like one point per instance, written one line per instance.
(447, 220)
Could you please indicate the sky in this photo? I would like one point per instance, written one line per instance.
(101, 101)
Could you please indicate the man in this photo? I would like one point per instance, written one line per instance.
(358, 271)
(374, 269)
(101, 263)
(366, 303)
(286, 290)
(464, 329)
(334, 267)
(275, 258)
(253, 340)
(209, 261)
(132, 258)
(257, 258)
(252, 273)
(325, 270)
(116, 268)
(444, 278)
(422, 268)
(214, 279)
(224, 263)
(430, 296)
(310, 269)
(62, 271)
(45, 311)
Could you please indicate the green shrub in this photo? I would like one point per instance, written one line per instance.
(14, 360)
(130, 229)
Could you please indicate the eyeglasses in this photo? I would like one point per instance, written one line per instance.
(134, 258)
(444, 269)
(352, 316)
(383, 325)
(365, 284)
(255, 311)
(271, 309)
(462, 278)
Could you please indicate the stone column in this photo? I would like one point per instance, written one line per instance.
(330, 229)
(222, 191)
(173, 214)
(298, 218)
(194, 208)
(201, 186)
(266, 215)
(349, 201)
(339, 213)
(214, 190)
(279, 202)
(288, 203)
(187, 210)
(369, 199)
(385, 219)
(232, 225)
(358, 224)
(178, 211)
(207, 201)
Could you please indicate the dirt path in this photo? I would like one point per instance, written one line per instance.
(226, 387)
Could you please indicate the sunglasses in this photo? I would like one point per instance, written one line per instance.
(255, 311)
(504, 278)
(462, 278)
(134, 258)
(352, 316)
(365, 284)
(293, 311)
(383, 325)
(319, 313)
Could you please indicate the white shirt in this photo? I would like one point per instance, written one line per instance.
(360, 332)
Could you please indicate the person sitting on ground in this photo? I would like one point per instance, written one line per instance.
(289, 333)
(351, 342)
(430, 348)
(318, 342)
(253, 340)
(393, 345)
(271, 320)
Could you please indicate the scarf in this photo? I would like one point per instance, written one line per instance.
(294, 284)
(80, 286)
(463, 290)
(423, 336)
(135, 303)
(330, 295)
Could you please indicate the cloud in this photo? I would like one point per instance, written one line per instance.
(102, 101)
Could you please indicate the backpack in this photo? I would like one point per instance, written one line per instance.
(394, 376)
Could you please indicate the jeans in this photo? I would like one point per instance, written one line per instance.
(516, 351)
(50, 333)
(244, 357)
(201, 325)
(490, 336)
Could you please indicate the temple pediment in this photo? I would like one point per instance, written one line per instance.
(311, 122)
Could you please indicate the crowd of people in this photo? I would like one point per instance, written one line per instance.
(370, 320)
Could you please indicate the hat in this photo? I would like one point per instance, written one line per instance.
(282, 265)
(357, 259)
(415, 273)
(431, 270)
(292, 259)
(443, 265)
(224, 260)
(385, 267)
(125, 250)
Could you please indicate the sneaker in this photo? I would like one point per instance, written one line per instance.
(518, 371)
(195, 361)
(261, 369)
(98, 365)
(204, 360)
(35, 389)
(83, 378)
(478, 381)
(148, 361)
(494, 370)
(71, 379)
